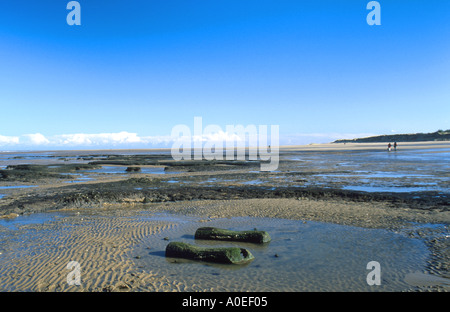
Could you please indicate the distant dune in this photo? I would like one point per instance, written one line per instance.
(439, 135)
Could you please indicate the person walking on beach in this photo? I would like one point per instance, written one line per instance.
(389, 147)
(395, 146)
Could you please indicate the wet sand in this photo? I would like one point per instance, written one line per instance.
(110, 223)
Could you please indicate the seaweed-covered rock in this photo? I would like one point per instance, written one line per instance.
(211, 233)
(227, 255)
(133, 169)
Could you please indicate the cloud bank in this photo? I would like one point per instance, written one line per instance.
(118, 140)
(83, 140)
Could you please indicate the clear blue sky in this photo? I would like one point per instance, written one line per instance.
(315, 68)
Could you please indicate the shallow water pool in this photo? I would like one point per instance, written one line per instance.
(302, 256)
(393, 189)
(122, 170)
(35, 218)
(16, 187)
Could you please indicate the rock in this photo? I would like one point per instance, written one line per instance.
(227, 255)
(146, 200)
(122, 286)
(133, 169)
(211, 233)
(9, 216)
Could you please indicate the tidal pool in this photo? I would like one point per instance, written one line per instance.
(302, 256)
(35, 218)
(376, 171)
(16, 187)
(393, 189)
(122, 170)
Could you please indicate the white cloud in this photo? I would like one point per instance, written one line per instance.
(97, 139)
(36, 139)
(7, 140)
(78, 140)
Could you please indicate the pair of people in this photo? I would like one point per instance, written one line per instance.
(395, 146)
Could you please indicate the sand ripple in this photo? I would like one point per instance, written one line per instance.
(34, 258)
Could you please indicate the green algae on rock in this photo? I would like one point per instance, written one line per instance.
(211, 233)
(226, 255)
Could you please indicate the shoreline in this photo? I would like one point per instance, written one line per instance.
(305, 147)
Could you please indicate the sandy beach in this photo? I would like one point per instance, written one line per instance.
(116, 224)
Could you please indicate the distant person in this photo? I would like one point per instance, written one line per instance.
(395, 146)
(389, 147)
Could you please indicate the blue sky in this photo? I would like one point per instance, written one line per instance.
(135, 69)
